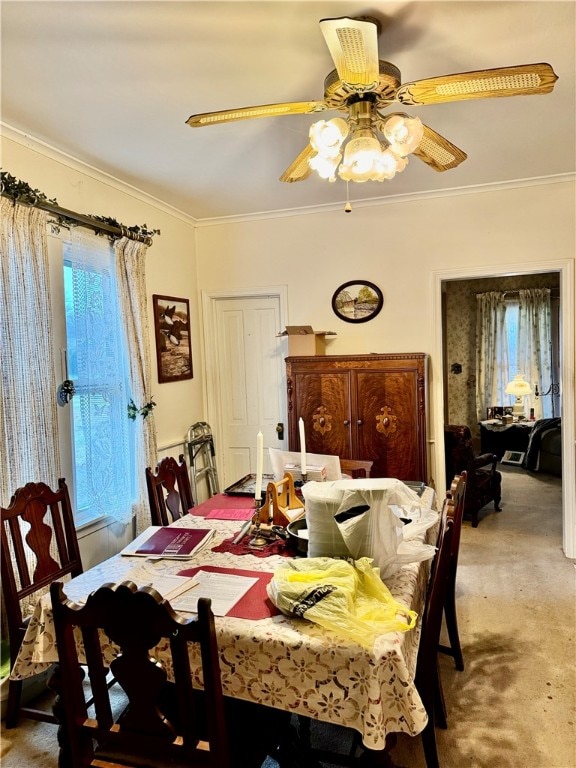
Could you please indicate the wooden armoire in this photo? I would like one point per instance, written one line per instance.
(362, 407)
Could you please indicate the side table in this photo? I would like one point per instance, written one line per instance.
(497, 438)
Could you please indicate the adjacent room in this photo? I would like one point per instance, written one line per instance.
(288, 293)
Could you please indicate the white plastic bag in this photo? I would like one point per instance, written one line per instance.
(348, 518)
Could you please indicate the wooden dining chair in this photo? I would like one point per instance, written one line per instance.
(159, 721)
(169, 491)
(427, 676)
(39, 545)
(356, 468)
(456, 502)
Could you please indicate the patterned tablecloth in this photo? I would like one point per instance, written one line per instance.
(283, 662)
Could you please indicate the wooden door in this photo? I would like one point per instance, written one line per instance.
(387, 426)
(322, 400)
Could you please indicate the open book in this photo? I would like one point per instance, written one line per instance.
(169, 542)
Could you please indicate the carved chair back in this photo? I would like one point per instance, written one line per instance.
(169, 491)
(39, 545)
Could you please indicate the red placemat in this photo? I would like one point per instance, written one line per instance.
(222, 501)
(255, 604)
(229, 514)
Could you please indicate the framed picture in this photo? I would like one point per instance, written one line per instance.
(498, 411)
(489, 413)
(172, 330)
(357, 301)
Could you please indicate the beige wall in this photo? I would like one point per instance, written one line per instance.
(396, 246)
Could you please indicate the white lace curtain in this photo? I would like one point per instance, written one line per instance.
(29, 434)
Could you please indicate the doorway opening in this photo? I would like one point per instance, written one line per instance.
(440, 405)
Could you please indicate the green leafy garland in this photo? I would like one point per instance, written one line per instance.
(133, 409)
(22, 192)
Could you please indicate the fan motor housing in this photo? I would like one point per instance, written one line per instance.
(337, 93)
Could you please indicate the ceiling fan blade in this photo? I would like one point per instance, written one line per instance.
(353, 45)
(522, 80)
(264, 110)
(438, 152)
(299, 169)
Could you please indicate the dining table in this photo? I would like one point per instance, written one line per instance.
(267, 657)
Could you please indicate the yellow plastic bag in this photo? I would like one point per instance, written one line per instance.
(346, 597)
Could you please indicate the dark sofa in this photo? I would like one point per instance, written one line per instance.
(544, 452)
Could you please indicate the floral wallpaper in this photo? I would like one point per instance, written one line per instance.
(460, 338)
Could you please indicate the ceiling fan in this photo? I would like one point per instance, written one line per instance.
(377, 144)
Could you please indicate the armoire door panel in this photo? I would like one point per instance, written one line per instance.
(388, 410)
(324, 405)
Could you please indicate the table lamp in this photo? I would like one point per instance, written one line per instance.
(519, 388)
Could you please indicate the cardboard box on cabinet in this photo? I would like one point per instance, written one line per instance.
(303, 341)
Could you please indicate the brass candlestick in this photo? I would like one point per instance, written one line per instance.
(258, 540)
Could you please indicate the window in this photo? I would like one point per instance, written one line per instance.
(102, 449)
(517, 335)
(511, 323)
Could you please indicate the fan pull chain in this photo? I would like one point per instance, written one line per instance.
(347, 207)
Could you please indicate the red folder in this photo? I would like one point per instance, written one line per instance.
(255, 604)
(174, 542)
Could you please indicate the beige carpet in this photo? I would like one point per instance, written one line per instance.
(514, 704)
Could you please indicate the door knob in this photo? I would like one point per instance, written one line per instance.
(280, 430)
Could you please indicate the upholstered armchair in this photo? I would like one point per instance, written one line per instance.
(484, 481)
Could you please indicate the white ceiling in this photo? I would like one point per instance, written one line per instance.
(112, 84)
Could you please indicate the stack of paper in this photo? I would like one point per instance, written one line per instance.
(314, 472)
(168, 585)
(223, 589)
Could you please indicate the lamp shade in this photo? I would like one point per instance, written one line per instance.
(518, 387)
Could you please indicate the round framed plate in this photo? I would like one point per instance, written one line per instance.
(357, 301)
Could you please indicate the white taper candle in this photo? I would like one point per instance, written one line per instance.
(259, 463)
(302, 446)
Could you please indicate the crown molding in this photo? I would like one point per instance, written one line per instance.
(562, 178)
(36, 145)
(59, 156)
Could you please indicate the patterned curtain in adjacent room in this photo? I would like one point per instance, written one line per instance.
(535, 346)
(491, 352)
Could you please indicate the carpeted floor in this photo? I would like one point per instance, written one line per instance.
(514, 704)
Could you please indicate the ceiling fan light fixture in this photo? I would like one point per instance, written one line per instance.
(325, 167)
(403, 133)
(327, 136)
(361, 157)
(390, 164)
